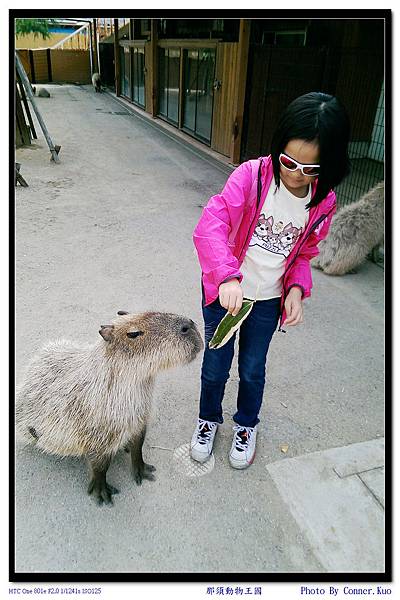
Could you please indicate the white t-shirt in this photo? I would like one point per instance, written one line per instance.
(281, 221)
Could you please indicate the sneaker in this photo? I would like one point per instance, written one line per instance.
(202, 440)
(243, 448)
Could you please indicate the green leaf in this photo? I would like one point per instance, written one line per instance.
(229, 324)
(35, 26)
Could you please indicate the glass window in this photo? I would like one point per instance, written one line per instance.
(290, 38)
(173, 84)
(169, 69)
(190, 89)
(204, 105)
(163, 82)
(140, 76)
(138, 95)
(135, 96)
(198, 92)
(125, 74)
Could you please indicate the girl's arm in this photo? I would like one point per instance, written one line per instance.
(223, 213)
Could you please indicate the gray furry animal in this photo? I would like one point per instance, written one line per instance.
(355, 230)
(96, 81)
(92, 400)
(43, 93)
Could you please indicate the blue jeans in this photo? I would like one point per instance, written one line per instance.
(255, 335)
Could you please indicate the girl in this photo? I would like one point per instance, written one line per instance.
(255, 240)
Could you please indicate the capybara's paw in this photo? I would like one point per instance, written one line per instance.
(102, 491)
(143, 472)
(149, 468)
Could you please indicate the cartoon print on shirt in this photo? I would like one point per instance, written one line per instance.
(263, 228)
(275, 238)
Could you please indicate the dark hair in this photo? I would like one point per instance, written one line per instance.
(321, 118)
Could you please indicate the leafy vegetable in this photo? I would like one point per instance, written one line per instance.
(229, 325)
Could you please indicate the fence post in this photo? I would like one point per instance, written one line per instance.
(95, 52)
(32, 63)
(49, 71)
(54, 151)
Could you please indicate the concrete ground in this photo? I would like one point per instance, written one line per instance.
(110, 228)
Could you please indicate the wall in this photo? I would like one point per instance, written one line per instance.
(24, 56)
(40, 66)
(70, 66)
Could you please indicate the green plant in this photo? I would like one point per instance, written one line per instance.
(229, 324)
(35, 26)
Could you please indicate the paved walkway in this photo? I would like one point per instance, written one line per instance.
(110, 228)
(335, 496)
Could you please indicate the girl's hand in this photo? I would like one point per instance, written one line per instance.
(231, 296)
(294, 307)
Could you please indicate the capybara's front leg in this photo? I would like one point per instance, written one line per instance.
(98, 485)
(140, 470)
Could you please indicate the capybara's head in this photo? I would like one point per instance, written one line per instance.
(159, 340)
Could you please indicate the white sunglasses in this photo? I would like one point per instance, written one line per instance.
(292, 165)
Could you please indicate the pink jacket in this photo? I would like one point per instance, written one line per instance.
(227, 223)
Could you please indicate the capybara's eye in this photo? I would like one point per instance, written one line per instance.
(134, 334)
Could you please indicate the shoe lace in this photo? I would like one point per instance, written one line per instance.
(242, 437)
(205, 430)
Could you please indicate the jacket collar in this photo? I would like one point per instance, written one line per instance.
(324, 206)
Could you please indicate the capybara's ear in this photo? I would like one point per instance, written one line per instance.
(106, 332)
(134, 334)
(122, 312)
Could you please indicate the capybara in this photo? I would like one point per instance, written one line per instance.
(96, 81)
(92, 400)
(355, 230)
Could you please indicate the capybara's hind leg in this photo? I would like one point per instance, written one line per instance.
(98, 485)
(33, 433)
(140, 470)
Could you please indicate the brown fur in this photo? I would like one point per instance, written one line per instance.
(92, 400)
(355, 230)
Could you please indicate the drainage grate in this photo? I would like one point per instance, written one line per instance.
(189, 467)
(111, 112)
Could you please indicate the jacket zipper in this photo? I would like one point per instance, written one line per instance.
(312, 228)
(259, 189)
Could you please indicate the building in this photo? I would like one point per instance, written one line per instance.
(224, 82)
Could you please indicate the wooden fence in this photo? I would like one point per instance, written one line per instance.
(59, 66)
